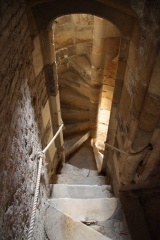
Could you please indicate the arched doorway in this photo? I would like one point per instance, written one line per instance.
(87, 49)
(123, 22)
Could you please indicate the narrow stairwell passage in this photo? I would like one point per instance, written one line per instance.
(82, 206)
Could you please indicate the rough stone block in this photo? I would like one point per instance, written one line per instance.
(148, 62)
(107, 91)
(141, 139)
(98, 60)
(124, 46)
(65, 39)
(125, 104)
(103, 28)
(150, 113)
(106, 104)
(133, 58)
(154, 86)
(83, 34)
(139, 96)
(148, 121)
(97, 75)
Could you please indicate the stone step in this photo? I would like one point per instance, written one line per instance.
(62, 227)
(73, 143)
(80, 191)
(114, 227)
(72, 115)
(81, 65)
(72, 170)
(80, 180)
(70, 98)
(68, 142)
(84, 157)
(84, 210)
(72, 128)
(72, 80)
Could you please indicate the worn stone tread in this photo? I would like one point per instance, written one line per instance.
(99, 209)
(80, 191)
(65, 179)
(59, 226)
(70, 169)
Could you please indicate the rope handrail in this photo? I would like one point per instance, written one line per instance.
(149, 147)
(32, 220)
(53, 139)
(41, 157)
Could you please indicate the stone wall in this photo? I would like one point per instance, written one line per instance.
(73, 29)
(73, 36)
(23, 95)
(106, 102)
(138, 111)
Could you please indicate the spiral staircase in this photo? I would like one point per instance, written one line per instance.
(81, 204)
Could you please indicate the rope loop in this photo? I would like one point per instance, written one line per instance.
(41, 155)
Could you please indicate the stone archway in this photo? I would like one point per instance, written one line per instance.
(123, 22)
(137, 44)
(135, 115)
(125, 130)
